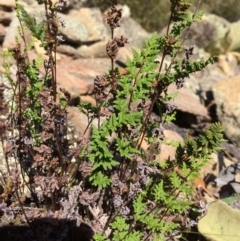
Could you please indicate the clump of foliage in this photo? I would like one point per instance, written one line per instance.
(103, 177)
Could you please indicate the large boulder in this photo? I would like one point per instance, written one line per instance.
(211, 34)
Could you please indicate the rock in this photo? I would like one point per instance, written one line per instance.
(11, 160)
(212, 168)
(41, 51)
(123, 54)
(188, 102)
(211, 33)
(78, 119)
(96, 50)
(99, 30)
(232, 150)
(2, 33)
(75, 31)
(94, 21)
(167, 150)
(77, 76)
(126, 11)
(234, 35)
(193, 83)
(11, 4)
(137, 37)
(228, 64)
(8, 4)
(201, 82)
(236, 54)
(227, 99)
(5, 17)
(88, 98)
(9, 40)
(76, 4)
(2, 69)
(67, 50)
(220, 223)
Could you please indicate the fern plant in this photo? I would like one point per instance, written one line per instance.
(104, 177)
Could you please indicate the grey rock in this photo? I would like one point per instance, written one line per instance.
(75, 31)
(92, 19)
(134, 32)
(232, 150)
(211, 34)
(227, 175)
(234, 35)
